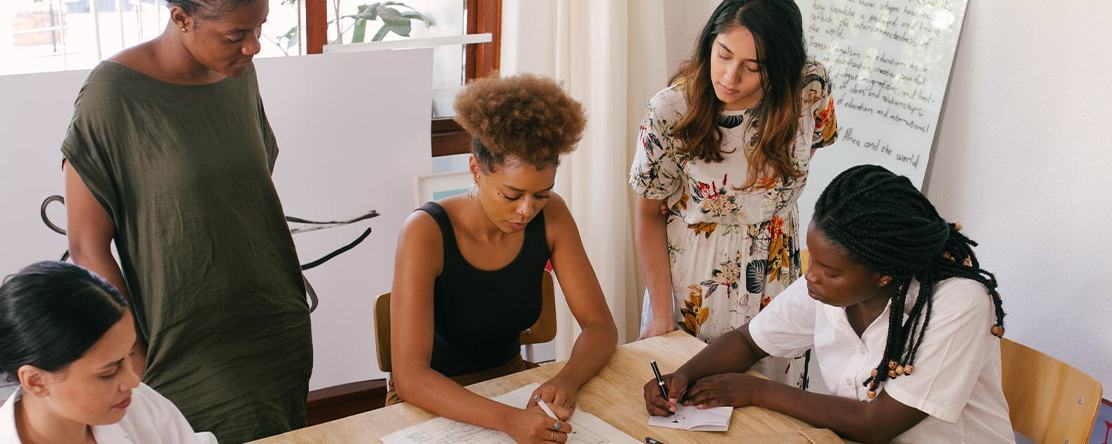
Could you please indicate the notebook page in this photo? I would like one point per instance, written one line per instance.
(586, 428)
(689, 417)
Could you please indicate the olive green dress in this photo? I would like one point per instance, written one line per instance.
(184, 175)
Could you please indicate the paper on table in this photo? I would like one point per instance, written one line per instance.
(689, 417)
(586, 428)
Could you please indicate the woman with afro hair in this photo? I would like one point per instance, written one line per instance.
(468, 270)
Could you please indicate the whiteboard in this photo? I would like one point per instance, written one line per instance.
(889, 63)
(352, 130)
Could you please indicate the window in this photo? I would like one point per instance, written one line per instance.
(59, 35)
(456, 17)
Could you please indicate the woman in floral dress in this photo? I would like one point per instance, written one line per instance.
(721, 159)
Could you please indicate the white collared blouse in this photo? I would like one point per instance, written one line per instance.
(957, 368)
(150, 419)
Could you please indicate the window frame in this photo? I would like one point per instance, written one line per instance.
(483, 16)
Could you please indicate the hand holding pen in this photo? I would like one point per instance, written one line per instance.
(663, 392)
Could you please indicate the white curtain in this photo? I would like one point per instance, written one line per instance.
(609, 55)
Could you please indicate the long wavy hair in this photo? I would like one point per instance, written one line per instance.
(777, 29)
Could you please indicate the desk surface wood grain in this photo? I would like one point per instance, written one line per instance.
(615, 395)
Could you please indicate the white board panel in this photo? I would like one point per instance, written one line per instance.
(889, 62)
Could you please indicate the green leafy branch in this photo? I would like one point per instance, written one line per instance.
(397, 21)
(393, 20)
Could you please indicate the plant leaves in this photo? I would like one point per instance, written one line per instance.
(754, 276)
(391, 16)
(414, 15)
(359, 32)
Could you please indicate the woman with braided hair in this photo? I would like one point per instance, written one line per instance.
(169, 157)
(932, 375)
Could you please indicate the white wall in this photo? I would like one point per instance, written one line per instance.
(683, 19)
(1024, 161)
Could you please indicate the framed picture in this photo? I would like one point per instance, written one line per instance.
(438, 186)
(8, 385)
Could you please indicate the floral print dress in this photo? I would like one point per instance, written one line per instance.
(731, 250)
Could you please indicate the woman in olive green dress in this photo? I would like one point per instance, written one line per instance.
(169, 156)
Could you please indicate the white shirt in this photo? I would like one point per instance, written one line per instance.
(957, 368)
(150, 419)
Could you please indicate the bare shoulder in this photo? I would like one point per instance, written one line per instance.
(140, 57)
(558, 221)
(421, 228)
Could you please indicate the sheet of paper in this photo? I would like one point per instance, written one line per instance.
(689, 417)
(586, 428)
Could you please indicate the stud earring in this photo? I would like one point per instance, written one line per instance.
(182, 29)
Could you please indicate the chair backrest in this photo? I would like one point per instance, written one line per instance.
(382, 331)
(1048, 400)
(542, 331)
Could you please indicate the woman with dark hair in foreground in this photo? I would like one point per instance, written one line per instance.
(67, 337)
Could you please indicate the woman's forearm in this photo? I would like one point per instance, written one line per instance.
(101, 262)
(441, 396)
(732, 352)
(850, 418)
(652, 252)
(591, 352)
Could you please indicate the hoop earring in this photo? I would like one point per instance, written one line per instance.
(473, 190)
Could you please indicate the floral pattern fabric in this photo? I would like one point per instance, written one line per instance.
(731, 249)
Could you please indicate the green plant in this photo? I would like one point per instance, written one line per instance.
(291, 37)
(393, 20)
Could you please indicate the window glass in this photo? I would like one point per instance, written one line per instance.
(57, 35)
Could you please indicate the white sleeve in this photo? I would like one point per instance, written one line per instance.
(158, 420)
(786, 327)
(955, 347)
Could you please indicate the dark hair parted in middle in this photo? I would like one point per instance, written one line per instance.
(777, 29)
(521, 118)
(884, 223)
(51, 313)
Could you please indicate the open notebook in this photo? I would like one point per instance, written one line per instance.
(715, 419)
(586, 428)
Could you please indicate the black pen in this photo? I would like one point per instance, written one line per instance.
(652, 441)
(659, 380)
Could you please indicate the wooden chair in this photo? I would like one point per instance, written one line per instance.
(542, 331)
(1048, 400)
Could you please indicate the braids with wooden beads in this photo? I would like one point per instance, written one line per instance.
(886, 224)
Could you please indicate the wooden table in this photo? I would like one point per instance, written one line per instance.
(615, 395)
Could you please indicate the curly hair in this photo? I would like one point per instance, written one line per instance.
(525, 117)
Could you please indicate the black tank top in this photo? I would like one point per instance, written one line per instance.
(479, 314)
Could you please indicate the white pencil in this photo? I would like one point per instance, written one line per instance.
(544, 407)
